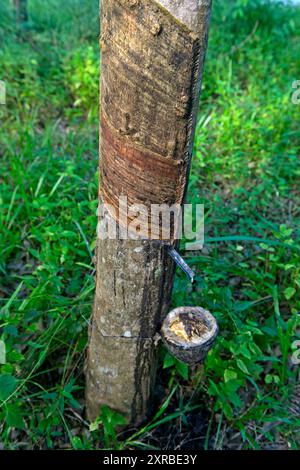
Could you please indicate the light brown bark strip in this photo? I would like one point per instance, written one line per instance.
(189, 12)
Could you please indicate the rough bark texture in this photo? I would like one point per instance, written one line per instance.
(132, 286)
(152, 62)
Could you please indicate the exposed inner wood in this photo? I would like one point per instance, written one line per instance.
(143, 176)
(187, 11)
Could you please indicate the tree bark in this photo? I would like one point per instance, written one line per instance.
(21, 8)
(152, 61)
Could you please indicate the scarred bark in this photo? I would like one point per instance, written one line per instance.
(152, 60)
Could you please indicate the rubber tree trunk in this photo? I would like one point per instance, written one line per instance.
(21, 9)
(152, 61)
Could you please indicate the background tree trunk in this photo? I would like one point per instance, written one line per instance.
(152, 60)
(21, 8)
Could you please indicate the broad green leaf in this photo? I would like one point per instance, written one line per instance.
(241, 365)
(14, 417)
(182, 369)
(8, 384)
(229, 374)
(268, 379)
(289, 292)
(244, 351)
(228, 411)
(169, 361)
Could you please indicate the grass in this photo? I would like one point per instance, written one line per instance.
(245, 170)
